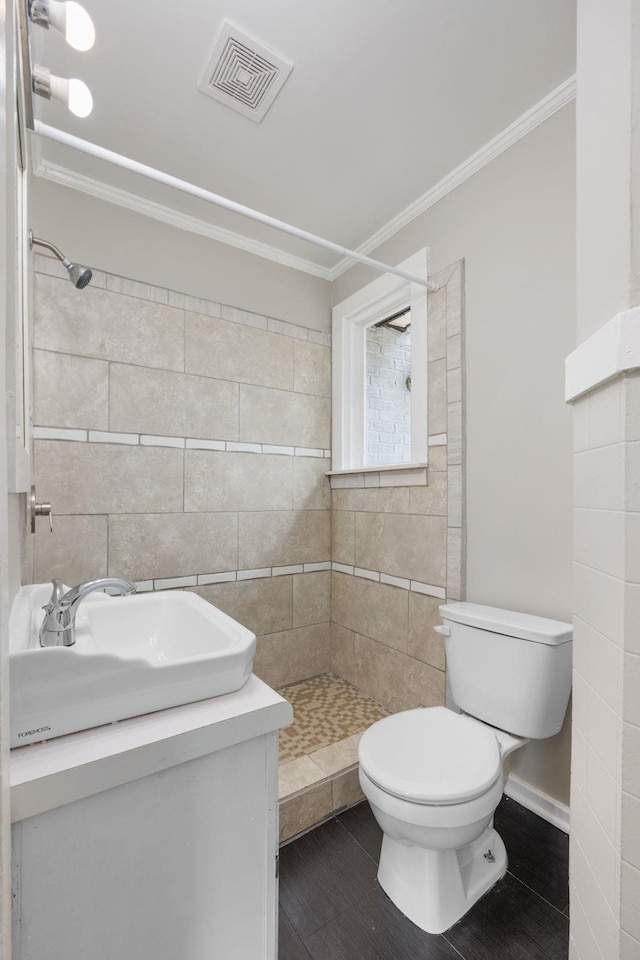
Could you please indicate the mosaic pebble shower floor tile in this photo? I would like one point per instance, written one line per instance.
(319, 751)
(326, 709)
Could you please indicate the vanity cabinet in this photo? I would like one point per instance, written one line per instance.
(154, 838)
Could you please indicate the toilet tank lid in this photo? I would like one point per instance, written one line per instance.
(508, 622)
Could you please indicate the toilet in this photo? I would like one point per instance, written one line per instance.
(434, 777)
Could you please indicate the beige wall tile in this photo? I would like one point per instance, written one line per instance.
(343, 537)
(312, 368)
(301, 812)
(280, 538)
(437, 459)
(395, 680)
(110, 326)
(147, 546)
(338, 756)
(346, 790)
(70, 391)
(311, 598)
(437, 396)
(424, 643)
(233, 351)
(133, 288)
(454, 485)
(403, 546)
(432, 499)
(171, 404)
(278, 416)
(454, 433)
(237, 481)
(74, 552)
(437, 324)
(455, 568)
(311, 489)
(262, 606)
(284, 658)
(454, 352)
(343, 662)
(454, 385)
(297, 775)
(455, 292)
(106, 478)
(389, 500)
(373, 609)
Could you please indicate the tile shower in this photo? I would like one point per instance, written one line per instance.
(185, 443)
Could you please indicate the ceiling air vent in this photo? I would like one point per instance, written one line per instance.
(243, 74)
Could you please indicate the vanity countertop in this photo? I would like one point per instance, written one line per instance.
(50, 774)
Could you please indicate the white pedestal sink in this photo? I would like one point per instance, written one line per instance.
(132, 655)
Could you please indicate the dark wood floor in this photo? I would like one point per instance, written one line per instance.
(332, 908)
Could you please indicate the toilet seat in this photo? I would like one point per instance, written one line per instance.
(431, 756)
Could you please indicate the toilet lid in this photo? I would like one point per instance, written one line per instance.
(431, 755)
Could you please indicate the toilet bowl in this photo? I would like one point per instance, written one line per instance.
(434, 777)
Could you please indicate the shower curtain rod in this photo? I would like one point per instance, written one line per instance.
(52, 133)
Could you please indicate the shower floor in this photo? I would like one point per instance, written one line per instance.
(319, 752)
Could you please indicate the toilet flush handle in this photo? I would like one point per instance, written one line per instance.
(444, 631)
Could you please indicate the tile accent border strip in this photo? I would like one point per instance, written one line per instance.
(188, 443)
(229, 576)
(415, 586)
(265, 573)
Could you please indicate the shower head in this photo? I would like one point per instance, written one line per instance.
(79, 276)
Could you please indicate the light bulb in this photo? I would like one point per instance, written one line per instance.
(69, 18)
(80, 100)
(80, 32)
(75, 93)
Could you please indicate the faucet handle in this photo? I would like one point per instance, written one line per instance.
(56, 595)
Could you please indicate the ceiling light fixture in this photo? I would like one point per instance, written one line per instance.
(74, 93)
(66, 16)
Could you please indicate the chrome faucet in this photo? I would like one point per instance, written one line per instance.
(59, 624)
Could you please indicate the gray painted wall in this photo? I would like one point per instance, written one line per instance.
(130, 245)
(514, 224)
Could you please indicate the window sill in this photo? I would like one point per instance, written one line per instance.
(394, 475)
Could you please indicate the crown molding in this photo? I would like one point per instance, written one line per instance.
(528, 121)
(56, 173)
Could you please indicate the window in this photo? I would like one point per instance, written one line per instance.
(381, 315)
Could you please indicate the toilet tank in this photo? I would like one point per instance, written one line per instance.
(510, 670)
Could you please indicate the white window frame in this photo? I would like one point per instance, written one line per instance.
(351, 318)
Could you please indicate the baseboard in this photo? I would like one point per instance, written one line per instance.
(538, 802)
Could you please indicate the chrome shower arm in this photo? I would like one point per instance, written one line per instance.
(34, 241)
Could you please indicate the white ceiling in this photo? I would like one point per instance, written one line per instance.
(384, 100)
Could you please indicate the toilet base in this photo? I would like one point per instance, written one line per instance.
(435, 888)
